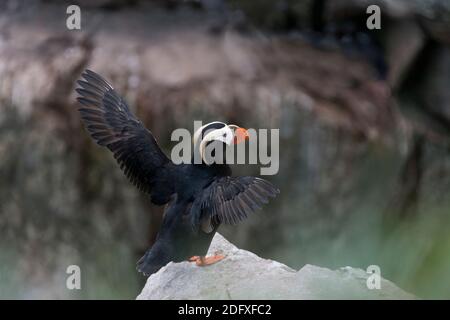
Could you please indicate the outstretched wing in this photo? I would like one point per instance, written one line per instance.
(230, 200)
(111, 124)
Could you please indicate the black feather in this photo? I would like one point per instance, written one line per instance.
(230, 200)
(111, 124)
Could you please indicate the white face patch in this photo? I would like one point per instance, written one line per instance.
(224, 135)
(199, 131)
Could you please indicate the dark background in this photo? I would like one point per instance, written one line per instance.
(364, 119)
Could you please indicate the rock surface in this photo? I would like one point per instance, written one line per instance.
(244, 275)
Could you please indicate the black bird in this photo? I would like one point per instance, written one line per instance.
(199, 197)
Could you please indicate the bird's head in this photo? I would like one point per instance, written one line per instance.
(216, 134)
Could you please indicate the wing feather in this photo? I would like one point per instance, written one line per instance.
(110, 122)
(230, 200)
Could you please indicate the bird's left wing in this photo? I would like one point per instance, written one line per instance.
(111, 124)
(230, 200)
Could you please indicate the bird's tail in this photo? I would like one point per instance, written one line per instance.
(148, 264)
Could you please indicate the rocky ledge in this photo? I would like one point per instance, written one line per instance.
(244, 275)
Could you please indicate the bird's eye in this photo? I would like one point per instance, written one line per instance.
(224, 135)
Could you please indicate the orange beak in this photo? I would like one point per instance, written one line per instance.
(240, 135)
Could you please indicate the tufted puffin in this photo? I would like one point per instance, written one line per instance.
(198, 197)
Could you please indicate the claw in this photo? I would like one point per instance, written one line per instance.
(194, 258)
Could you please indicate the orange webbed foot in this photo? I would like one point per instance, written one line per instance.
(207, 261)
(203, 261)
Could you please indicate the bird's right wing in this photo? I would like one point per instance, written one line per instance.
(110, 122)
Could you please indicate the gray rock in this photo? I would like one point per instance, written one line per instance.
(244, 275)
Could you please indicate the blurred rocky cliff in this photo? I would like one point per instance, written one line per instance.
(364, 120)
